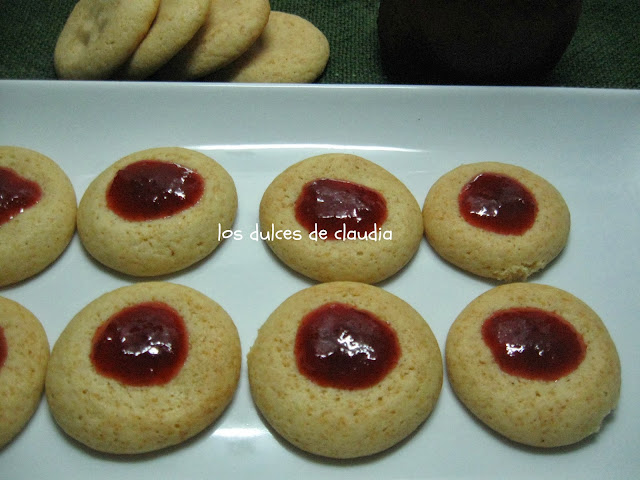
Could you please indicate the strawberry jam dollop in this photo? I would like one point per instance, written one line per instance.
(498, 203)
(16, 194)
(337, 205)
(533, 343)
(142, 345)
(152, 189)
(343, 347)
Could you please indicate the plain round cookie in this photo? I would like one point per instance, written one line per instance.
(23, 371)
(290, 50)
(99, 36)
(36, 237)
(176, 22)
(109, 416)
(488, 254)
(534, 412)
(365, 261)
(341, 423)
(231, 27)
(165, 245)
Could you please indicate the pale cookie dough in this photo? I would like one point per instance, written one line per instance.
(290, 50)
(100, 35)
(534, 412)
(176, 23)
(368, 261)
(161, 246)
(36, 237)
(110, 416)
(230, 29)
(23, 370)
(492, 255)
(336, 422)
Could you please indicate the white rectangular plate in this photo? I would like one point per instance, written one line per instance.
(585, 142)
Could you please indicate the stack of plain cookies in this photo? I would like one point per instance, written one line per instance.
(180, 40)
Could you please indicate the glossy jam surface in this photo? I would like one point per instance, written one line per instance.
(533, 343)
(337, 205)
(142, 345)
(498, 203)
(151, 189)
(342, 347)
(16, 194)
(4, 350)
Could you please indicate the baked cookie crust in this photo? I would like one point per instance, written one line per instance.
(488, 254)
(100, 35)
(365, 261)
(109, 416)
(534, 412)
(23, 371)
(165, 245)
(336, 422)
(176, 22)
(231, 27)
(36, 237)
(290, 50)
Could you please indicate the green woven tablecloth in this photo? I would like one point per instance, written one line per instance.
(605, 51)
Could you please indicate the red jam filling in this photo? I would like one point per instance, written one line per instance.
(338, 205)
(498, 203)
(151, 189)
(142, 345)
(342, 347)
(16, 194)
(533, 343)
(4, 350)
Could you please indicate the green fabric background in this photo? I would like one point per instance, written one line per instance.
(605, 51)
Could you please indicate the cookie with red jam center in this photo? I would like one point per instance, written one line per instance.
(143, 367)
(355, 221)
(534, 363)
(37, 213)
(157, 211)
(345, 370)
(24, 353)
(496, 220)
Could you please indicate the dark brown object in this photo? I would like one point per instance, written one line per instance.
(474, 41)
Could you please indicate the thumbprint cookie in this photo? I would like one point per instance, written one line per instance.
(345, 370)
(37, 213)
(496, 220)
(534, 363)
(143, 367)
(24, 353)
(355, 220)
(157, 211)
